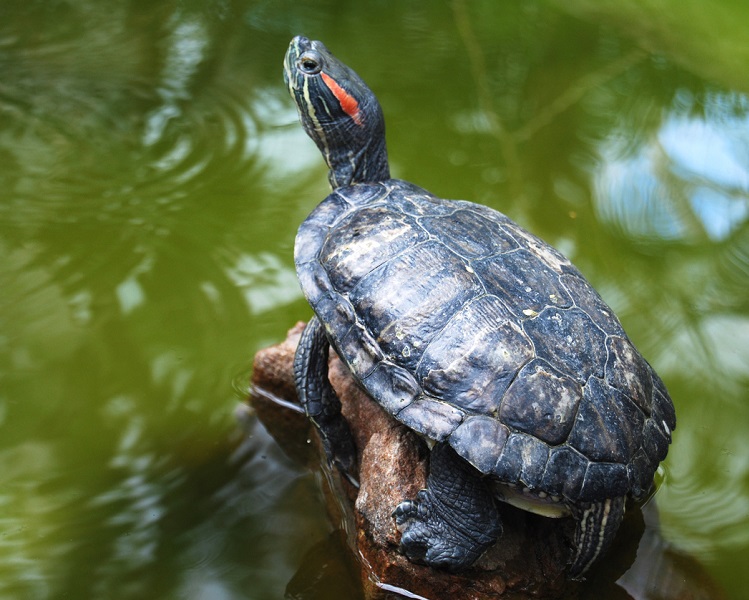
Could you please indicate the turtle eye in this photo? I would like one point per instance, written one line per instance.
(310, 62)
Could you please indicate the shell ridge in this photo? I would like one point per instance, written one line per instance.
(478, 351)
(388, 261)
(383, 264)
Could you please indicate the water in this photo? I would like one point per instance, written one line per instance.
(152, 176)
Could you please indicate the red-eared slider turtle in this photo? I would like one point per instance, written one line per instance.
(472, 332)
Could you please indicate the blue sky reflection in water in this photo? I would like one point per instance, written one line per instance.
(152, 176)
(706, 155)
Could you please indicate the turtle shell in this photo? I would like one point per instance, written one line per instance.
(470, 330)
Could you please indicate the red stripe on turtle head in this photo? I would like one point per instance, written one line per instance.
(348, 103)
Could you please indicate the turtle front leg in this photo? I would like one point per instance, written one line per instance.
(320, 400)
(596, 526)
(454, 520)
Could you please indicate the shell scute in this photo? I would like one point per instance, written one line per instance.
(588, 300)
(433, 418)
(470, 234)
(314, 282)
(393, 387)
(361, 194)
(339, 315)
(663, 408)
(570, 341)
(360, 350)
(412, 200)
(403, 308)
(604, 480)
(523, 282)
(542, 402)
(480, 440)
(608, 425)
(546, 254)
(640, 473)
(472, 360)
(654, 440)
(628, 372)
(523, 459)
(565, 472)
(366, 239)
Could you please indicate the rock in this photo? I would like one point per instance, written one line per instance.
(274, 398)
(529, 559)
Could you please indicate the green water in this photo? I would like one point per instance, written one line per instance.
(153, 174)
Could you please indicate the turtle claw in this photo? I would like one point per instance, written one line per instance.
(408, 512)
(439, 528)
(404, 512)
(428, 539)
(411, 519)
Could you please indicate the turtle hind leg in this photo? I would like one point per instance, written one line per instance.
(596, 527)
(320, 401)
(454, 520)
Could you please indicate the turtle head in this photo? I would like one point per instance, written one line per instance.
(339, 112)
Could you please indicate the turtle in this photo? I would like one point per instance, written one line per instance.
(472, 332)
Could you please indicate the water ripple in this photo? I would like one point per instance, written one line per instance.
(112, 141)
